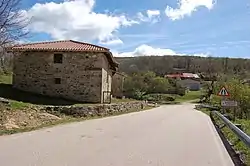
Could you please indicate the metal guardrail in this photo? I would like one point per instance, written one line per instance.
(236, 155)
(238, 132)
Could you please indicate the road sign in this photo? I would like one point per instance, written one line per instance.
(228, 103)
(223, 92)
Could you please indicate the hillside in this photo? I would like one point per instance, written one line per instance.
(167, 64)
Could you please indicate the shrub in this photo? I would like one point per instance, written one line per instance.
(158, 97)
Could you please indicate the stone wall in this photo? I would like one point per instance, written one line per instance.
(81, 75)
(106, 86)
(117, 85)
(97, 110)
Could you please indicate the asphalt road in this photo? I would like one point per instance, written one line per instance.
(166, 136)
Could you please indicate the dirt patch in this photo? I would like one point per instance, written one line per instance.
(20, 118)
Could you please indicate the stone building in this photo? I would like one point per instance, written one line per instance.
(117, 85)
(66, 69)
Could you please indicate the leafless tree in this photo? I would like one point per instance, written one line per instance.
(12, 22)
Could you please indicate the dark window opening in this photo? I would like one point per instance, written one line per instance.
(58, 58)
(57, 80)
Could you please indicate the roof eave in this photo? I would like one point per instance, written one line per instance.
(53, 50)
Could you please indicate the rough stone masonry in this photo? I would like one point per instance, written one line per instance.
(97, 110)
(81, 76)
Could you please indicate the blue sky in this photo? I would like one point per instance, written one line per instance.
(132, 28)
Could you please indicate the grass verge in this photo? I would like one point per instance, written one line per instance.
(205, 110)
(116, 100)
(190, 96)
(232, 138)
(65, 121)
(6, 79)
(18, 105)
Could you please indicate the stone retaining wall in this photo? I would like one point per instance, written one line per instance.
(97, 110)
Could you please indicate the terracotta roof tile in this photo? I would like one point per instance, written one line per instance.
(64, 45)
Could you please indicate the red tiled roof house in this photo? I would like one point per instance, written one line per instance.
(67, 69)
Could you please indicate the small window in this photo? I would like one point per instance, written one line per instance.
(58, 58)
(57, 80)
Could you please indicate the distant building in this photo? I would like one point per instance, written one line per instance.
(67, 69)
(183, 76)
(190, 84)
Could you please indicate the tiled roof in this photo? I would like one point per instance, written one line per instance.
(183, 75)
(64, 45)
(173, 75)
(188, 75)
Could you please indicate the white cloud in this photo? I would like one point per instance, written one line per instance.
(152, 13)
(201, 55)
(76, 20)
(152, 16)
(146, 50)
(114, 41)
(187, 7)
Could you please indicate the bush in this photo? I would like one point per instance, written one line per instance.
(139, 84)
(158, 97)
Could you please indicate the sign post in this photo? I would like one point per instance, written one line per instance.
(228, 103)
(223, 93)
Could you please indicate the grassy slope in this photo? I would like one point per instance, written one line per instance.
(190, 96)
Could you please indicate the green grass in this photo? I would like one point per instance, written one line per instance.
(190, 96)
(205, 110)
(65, 121)
(115, 100)
(19, 105)
(231, 137)
(6, 79)
(216, 99)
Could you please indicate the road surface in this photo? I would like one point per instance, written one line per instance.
(174, 135)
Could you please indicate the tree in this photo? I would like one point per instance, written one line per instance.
(12, 28)
(139, 84)
(238, 92)
(212, 78)
(12, 22)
